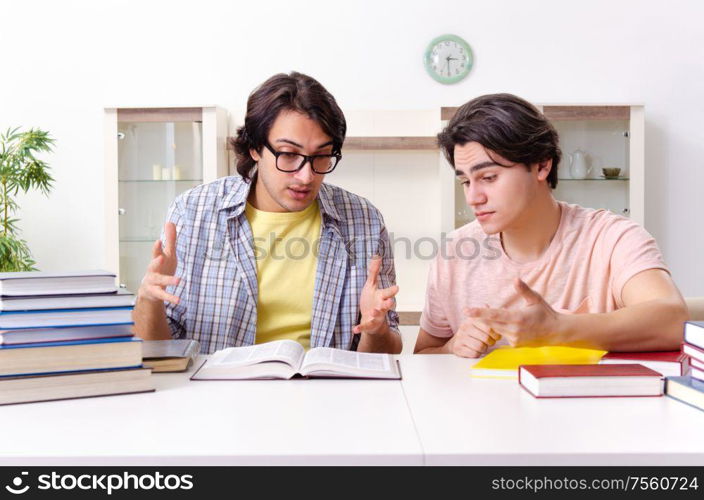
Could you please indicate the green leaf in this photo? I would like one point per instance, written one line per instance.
(20, 168)
(15, 255)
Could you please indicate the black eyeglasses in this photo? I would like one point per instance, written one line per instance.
(287, 161)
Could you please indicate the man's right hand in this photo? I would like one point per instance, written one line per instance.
(472, 339)
(161, 270)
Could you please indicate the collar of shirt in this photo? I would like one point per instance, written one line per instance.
(236, 199)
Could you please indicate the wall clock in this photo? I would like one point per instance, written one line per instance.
(448, 59)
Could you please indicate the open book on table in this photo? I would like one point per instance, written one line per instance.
(286, 359)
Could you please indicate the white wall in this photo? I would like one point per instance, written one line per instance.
(62, 62)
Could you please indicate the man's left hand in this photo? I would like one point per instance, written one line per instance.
(535, 324)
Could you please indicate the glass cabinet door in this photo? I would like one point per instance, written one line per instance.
(588, 148)
(157, 161)
(596, 167)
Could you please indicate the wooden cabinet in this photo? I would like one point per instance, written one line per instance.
(151, 156)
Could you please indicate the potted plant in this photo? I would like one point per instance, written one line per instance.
(20, 169)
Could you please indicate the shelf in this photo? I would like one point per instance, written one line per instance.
(568, 113)
(587, 112)
(601, 180)
(391, 143)
(406, 318)
(380, 143)
(141, 115)
(160, 180)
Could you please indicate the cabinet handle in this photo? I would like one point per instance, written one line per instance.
(121, 211)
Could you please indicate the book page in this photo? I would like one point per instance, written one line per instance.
(286, 351)
(346, 362)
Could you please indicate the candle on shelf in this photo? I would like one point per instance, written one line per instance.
(156, 172)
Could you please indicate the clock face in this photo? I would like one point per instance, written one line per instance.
(448, 59)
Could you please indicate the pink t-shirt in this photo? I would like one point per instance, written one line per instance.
(584, 269)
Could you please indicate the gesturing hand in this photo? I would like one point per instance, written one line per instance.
(374, 302)
(534, 324)
(472, 338)
(161, 270)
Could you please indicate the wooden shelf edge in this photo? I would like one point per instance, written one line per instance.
(587, 112)
(446, 113)
(408, 318)
(566, 113)
(131, 115)
(408, 143)
(391, 143)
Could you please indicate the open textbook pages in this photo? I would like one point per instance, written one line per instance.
(286, 358)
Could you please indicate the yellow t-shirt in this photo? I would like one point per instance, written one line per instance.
(285, 250)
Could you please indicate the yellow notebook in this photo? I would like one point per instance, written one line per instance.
(503, 362)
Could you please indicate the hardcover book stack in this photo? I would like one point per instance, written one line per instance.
(67, 335)
(690, 389)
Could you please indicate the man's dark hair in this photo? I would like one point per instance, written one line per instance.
(506, 125)
(282, 92)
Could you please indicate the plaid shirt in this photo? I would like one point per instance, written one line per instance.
(216, 264)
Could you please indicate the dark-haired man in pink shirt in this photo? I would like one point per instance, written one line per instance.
(560, 274)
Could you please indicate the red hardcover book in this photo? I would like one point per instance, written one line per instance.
(693, 352)
(578, 381)
(695, 363)
(668, 363)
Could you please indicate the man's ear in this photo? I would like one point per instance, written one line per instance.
(255, 154)
(544, 169)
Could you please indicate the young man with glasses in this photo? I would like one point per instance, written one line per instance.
(275, 253)
(557, 273)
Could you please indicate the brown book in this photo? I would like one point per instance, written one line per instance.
(86, 384)
(43, 358)
(169, 355)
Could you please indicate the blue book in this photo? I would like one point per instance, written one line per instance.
(694, 333)
(121, 298)
(72, 342)
(58, 357)
(11, 320)
(687, 390)
(64, 334)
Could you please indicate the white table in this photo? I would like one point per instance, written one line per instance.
(437, 414)
(218, 423)
(465, 420)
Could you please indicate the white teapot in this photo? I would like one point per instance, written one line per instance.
(579, 168)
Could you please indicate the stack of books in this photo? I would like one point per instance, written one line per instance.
(67, 335)
(668, 363)
(693, 346)
(690, 389)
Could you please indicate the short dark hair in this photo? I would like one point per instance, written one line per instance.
(506, 125)
(282, 92)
